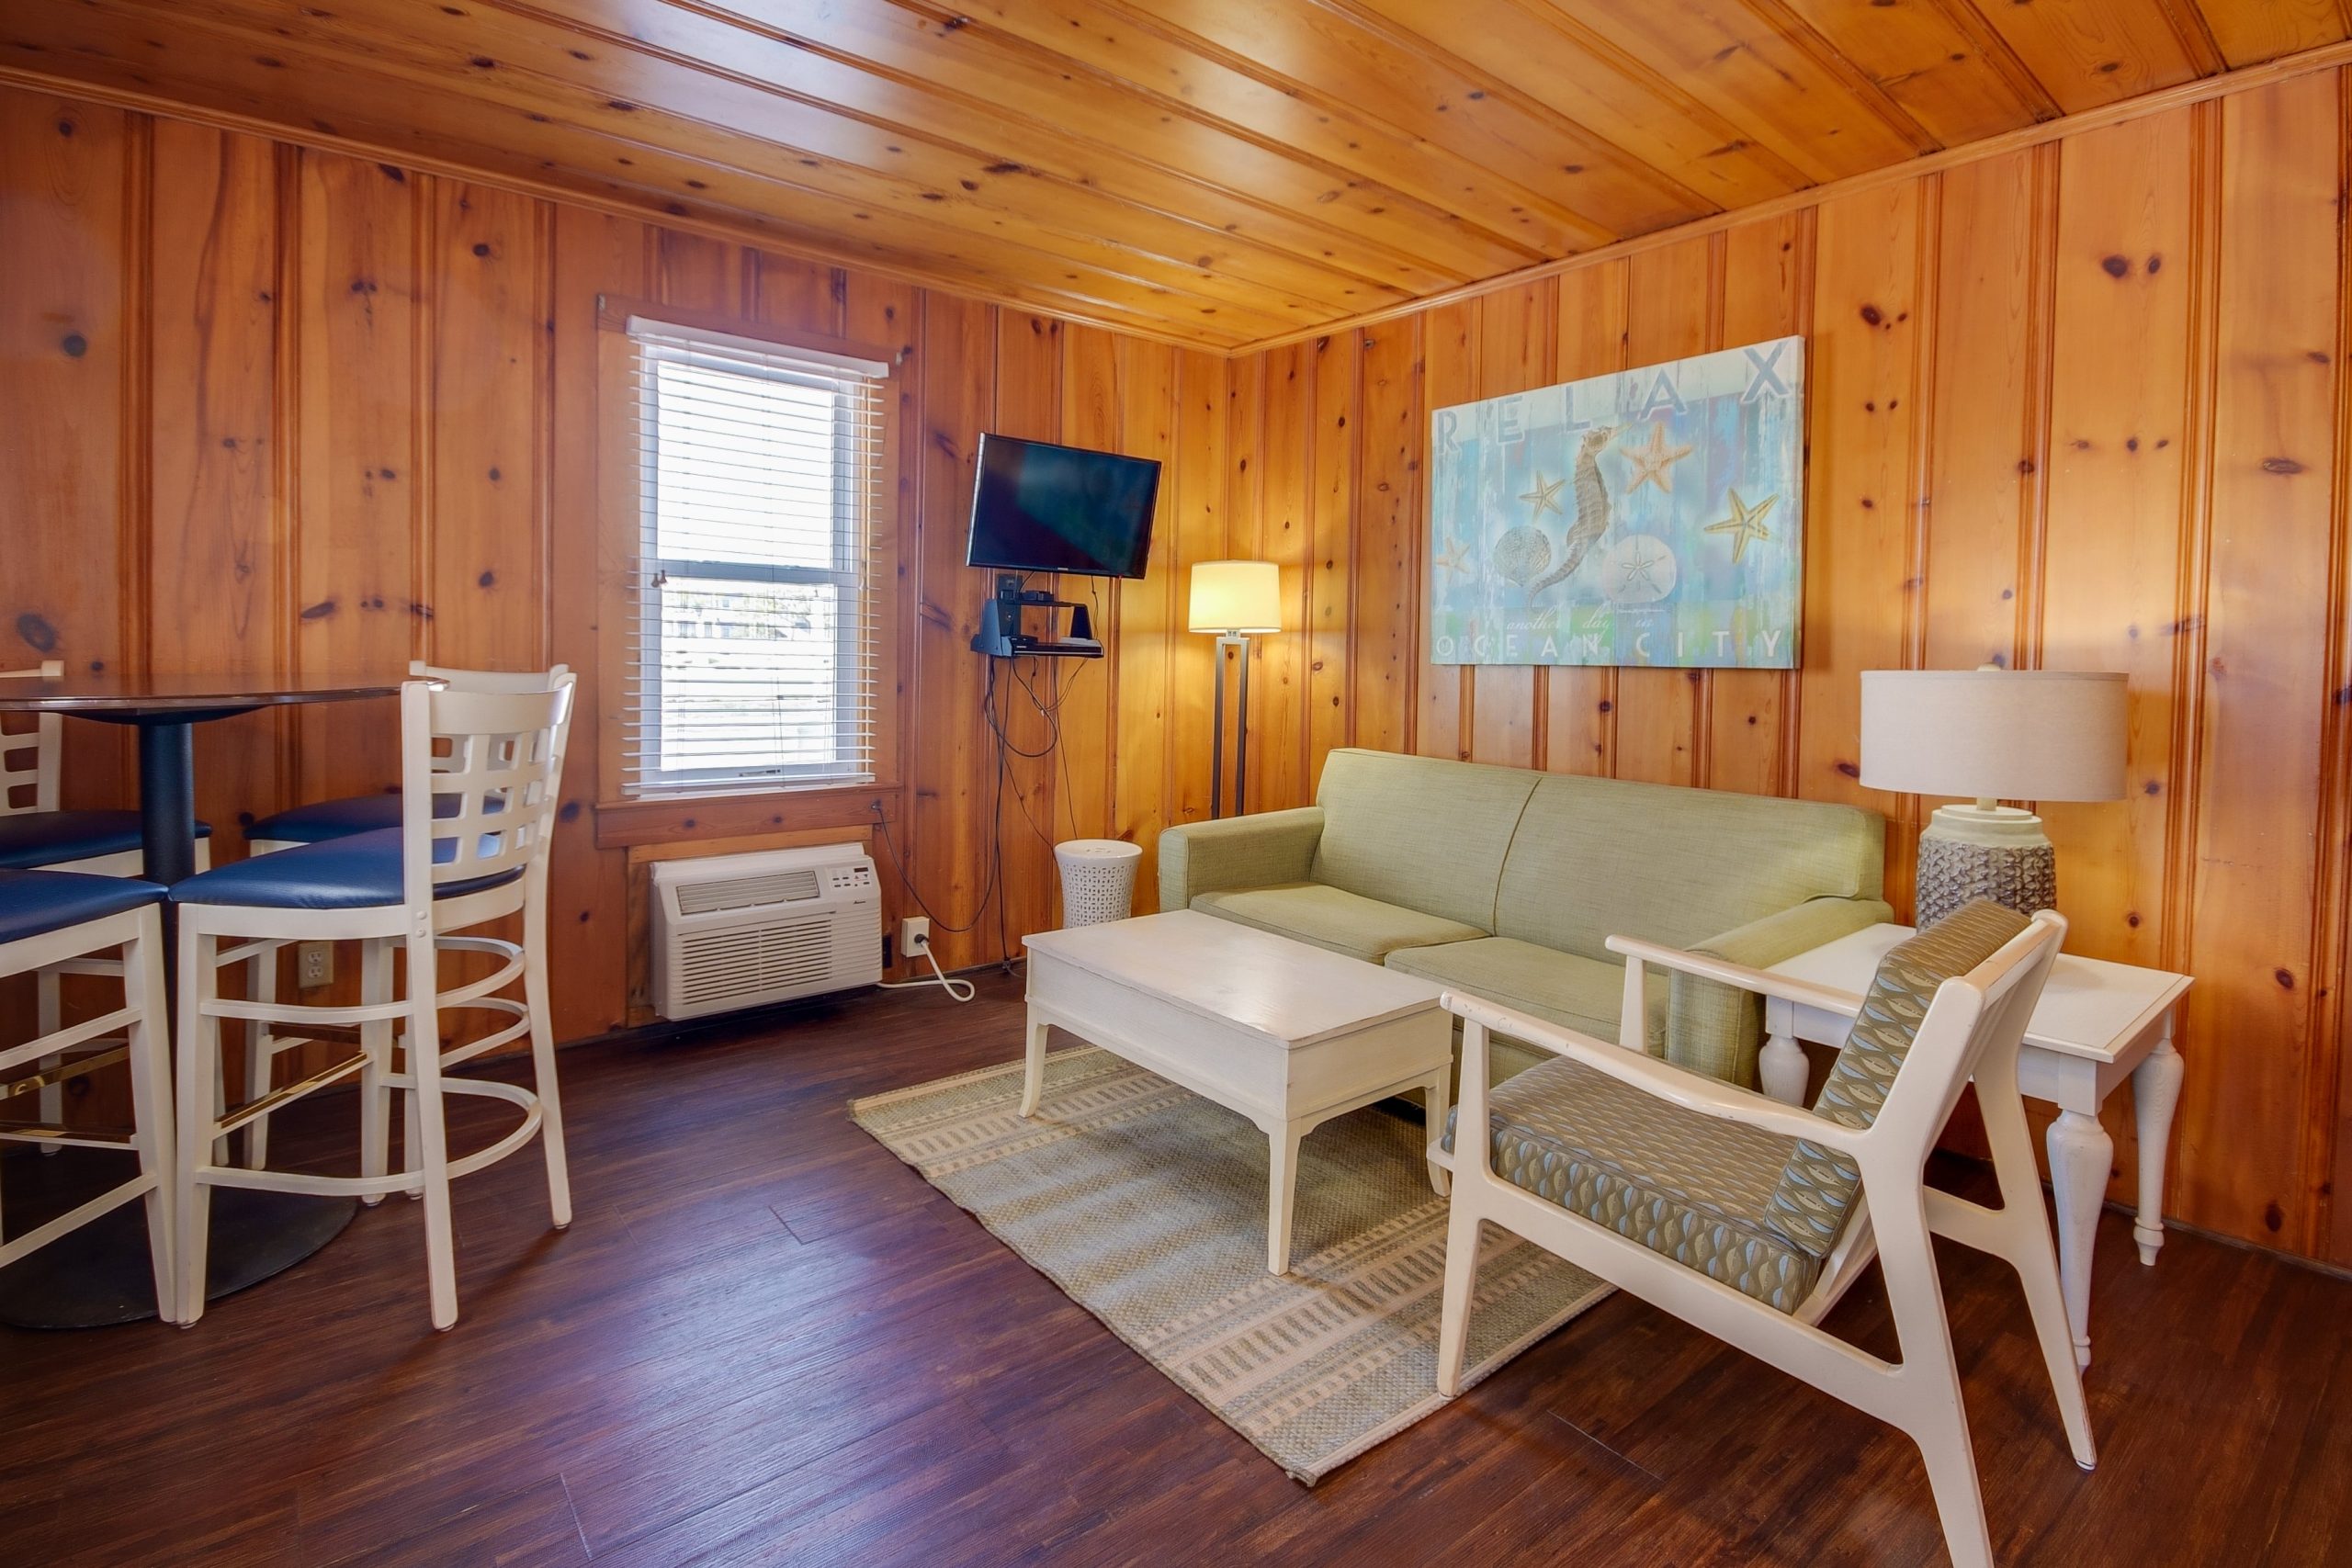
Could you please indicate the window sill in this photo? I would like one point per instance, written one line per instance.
(621, 823)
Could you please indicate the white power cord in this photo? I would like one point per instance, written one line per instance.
(962, 990)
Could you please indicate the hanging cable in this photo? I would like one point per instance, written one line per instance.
(1005, 748)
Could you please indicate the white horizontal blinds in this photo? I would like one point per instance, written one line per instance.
(760, 467)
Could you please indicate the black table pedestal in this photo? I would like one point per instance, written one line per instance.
(168, 796)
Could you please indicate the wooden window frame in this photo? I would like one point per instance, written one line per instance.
(622, 822)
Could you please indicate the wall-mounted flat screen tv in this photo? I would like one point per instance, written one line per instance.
(1039, 507)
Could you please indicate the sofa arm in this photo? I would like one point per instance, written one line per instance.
(1238, 851)
(1715, 1027)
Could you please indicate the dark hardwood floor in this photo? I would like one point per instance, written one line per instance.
(764, 1341)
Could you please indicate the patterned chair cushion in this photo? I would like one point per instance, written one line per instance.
(1810, 1202)
(1678, 1182)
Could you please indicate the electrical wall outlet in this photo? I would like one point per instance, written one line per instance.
(313, 963)
(914, 937)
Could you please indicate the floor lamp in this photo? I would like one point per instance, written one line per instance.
(1234, 601)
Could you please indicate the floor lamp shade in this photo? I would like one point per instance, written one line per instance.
(1988, 736)
(1236, 600)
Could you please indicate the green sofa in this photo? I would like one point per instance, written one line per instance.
(1506, 883)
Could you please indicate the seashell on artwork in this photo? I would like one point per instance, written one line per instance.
(1521, 554)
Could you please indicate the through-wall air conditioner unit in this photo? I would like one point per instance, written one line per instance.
(739, 931)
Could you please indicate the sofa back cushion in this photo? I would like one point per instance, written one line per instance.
(1419, 831)
(1594, 857)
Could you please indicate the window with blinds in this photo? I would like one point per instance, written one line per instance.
(761, 468)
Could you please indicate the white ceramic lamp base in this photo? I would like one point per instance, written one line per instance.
(1984, 852)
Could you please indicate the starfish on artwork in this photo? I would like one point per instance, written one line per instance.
(1456, 557)
(1655, 463)
(1745, 523)
(1545, 495)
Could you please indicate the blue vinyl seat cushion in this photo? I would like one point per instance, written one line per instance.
(360, 872)
(322, 819)
(325, 819)
(30, 840)
(34, 902)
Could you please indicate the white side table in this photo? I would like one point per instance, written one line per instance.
(2096, 1024)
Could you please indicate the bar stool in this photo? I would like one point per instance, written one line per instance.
(48, 917)
(35, 835)
(322, 819)
(318, 821)
(410, 889)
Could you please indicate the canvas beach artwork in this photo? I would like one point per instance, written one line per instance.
(1651, 517)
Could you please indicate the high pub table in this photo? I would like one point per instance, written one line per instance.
(99, 1274)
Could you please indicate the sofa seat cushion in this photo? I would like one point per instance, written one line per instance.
(1327, 916)
(1692, 1188)
(1582, 994)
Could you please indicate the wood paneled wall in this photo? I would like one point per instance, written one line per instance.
(264, 408)
(2075, 407)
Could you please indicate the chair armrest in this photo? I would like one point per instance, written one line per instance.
(1786, 987)
(1677, 1086)
(1715, 1028)
(1271, 848)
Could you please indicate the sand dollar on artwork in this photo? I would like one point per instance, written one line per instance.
(1639, 570)
(1521, 554)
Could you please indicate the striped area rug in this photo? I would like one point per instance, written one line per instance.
(1148, 1205)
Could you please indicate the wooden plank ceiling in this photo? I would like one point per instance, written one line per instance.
(1216, 171)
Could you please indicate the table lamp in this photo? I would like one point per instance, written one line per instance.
(1234, 600)
(1996, 734)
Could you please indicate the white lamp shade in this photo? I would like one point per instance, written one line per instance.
(1242, 597)
(1995, 734)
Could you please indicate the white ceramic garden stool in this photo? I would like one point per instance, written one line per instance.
(1098, 879)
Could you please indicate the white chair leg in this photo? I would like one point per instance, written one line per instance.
(535, 995)
(1930, 1408)
(150, 1107)
(409, 1134)
(49, 1018)
(261, 1054)
(200, 1077)
(431, 1156)
(375, 1044)
(1461, 1274)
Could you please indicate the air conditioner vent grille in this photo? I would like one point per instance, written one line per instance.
(714, 965)
(748, 892)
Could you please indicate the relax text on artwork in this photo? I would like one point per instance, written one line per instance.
(1650, 517)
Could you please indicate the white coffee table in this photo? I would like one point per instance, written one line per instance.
(1288, 1035)
(2097, 1024)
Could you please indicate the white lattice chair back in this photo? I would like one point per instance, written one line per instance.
(499, 755)
(489, 680)
(29, 756)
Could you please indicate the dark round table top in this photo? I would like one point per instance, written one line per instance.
(120, 696)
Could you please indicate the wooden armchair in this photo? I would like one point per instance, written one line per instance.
(1746, 1218)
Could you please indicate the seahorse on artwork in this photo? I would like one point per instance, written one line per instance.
(1592, 510)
